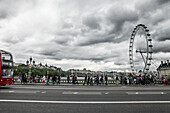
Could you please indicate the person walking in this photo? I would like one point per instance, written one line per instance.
(106, 79)
(73, 79)
(19, 78)
(59, 78)
(97, 79)
(38, 78)
(117, 80)
(54, 79)
(91, 80)
(68, 79)
(101, 80)
(166, 80)
(48, 79)
(23, 79)
(43, 79)
(88, 80)
(85, 80)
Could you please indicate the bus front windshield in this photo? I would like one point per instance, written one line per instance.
(6, 66)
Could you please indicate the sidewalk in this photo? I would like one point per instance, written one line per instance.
(109, 85)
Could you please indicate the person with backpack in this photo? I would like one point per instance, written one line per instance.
(101, 80)
(54, 79)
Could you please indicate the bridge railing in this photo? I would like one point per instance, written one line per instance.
(81, 81)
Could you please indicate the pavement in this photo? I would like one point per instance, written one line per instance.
(42, 98)
(103, 85)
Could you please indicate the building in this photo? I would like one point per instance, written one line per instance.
(83, 72)
(164, 69)
(40, 66)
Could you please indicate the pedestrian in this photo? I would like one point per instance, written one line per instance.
(134, 80)
(30, 79)
(73, 79)
(38, 78)
(26, 78)
(48, 79)
(117, 80)
(121, 80)
(43, 79)
(101, 80)
(35, 79)
(85, 80)
(91, 80)
(54, 79)
(127, 80)
(97, 79)
(59, 78)
(106, 79)
(23, 79)
(68, 79)
(88, 80)
(166, 80)
(19, 78)
(76, 81)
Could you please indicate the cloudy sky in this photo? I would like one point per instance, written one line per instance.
(92, 34)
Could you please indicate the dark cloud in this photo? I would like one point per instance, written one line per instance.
(163, 1)
(3, 15)
(10, 8)
(120, 63)
(92, 22)
(95, 40)
(161, 47)
(12, 40)
(162, 34)
(147, 7)
(119, 15)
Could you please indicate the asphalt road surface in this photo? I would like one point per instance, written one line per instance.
(84, 99)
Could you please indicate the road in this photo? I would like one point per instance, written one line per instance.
(84, 99)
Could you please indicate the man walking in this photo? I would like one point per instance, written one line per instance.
(106, 79)
(117, 80)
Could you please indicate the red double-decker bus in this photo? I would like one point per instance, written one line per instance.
(6, 68)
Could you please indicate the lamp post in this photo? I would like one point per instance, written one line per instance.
(29, 63)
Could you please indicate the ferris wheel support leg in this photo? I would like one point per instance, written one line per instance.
(142, 57)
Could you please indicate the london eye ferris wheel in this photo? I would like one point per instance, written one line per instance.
(140, 49)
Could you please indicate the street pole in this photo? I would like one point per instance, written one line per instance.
(30, 66)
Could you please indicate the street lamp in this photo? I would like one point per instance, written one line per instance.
(29, 63)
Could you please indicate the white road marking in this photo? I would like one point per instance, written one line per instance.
(145, 93)
(43, 92)
(18, 91)
(75, 92)
(107, 93)
(163, 93)
(123, 88)
(82, 93)
(88, 102)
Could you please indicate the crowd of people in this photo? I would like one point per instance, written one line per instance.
(91, 80)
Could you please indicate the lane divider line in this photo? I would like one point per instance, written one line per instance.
(146, 93)
(87, 102)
